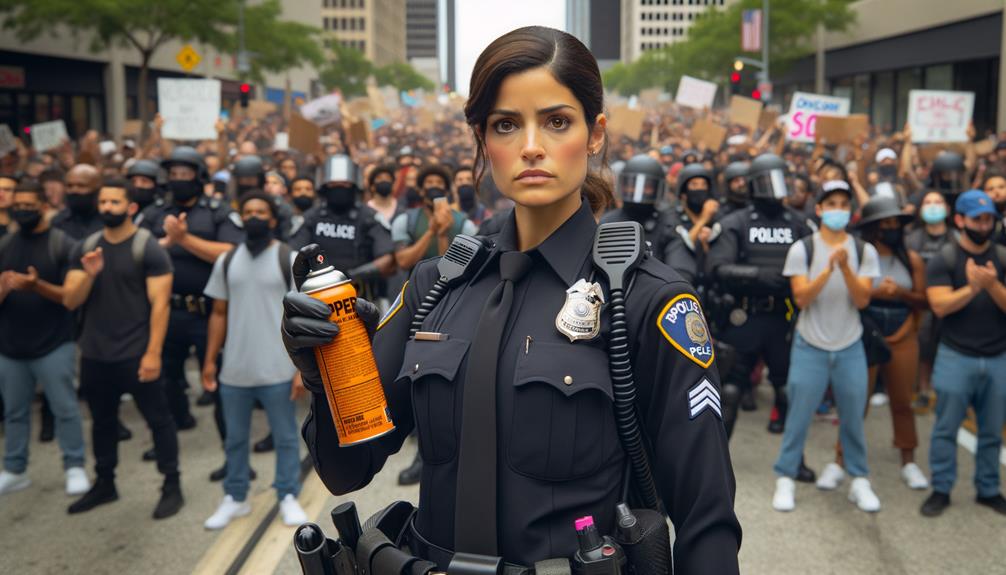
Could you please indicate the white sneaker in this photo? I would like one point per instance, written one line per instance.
(878, 399)
(11, 482)
(831, 477)
(227, 512)
(784, 490)
(76, 481)
(293, 514)
(863, 496)
(914, 477)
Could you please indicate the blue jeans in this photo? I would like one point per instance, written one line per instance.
(961, 380)
(237, 405)
(55, 372)
(810, 371)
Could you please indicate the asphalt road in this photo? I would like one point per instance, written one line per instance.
(825, 534)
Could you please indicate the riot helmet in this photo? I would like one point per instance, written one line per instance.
(145, 168)
(767, 179)
(184, 189)
(948, 174)
(339, 183)
(695, 195)
(736, 191)
(248, 174)
(641, 182)
(189, 157)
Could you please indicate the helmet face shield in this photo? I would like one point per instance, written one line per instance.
(770, 185)
(952, 182)
(339, 169)
(640, 188)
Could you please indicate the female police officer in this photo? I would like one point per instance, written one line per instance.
(497, 360)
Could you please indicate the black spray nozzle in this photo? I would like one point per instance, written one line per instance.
(347, 523)
(463, 257)
(310, 258)
(313, 550)
(308, 538)
(618, 249)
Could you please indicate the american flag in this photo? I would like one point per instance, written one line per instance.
(751, 31)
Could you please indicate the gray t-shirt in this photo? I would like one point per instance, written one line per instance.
(253, 352)
(831, 322)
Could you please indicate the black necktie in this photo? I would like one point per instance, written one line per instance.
(475, 503)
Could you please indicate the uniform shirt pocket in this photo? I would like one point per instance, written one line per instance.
(563, 424)
(432, 367)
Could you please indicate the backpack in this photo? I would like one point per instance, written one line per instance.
(138, 246)
(284, 264)
(57, 239)
(949, 254)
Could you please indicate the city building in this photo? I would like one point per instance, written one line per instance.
(901, 45)
(597, 23)
(57, 77)
(652, 24)
(421, 37)
(374, 27)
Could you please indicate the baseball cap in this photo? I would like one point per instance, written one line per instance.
(666, 151)
(886, 154)
(974, 203)
(833, 186)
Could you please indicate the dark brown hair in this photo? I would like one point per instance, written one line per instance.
(435, 170)
(572, 65)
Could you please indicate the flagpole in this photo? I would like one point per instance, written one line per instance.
(764, 43)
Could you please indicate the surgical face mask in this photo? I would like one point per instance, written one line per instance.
(81, 204)
(383, 189)
(27, 220)
(977, 236)
(892, 238)
(113, 220)
(303, 203)
(466, 197)
(340, 198)
(184, 190)
(836, 220)
(934, 213)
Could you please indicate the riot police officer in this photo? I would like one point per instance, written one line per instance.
(195, 230)
(948, 175)
(356, 243)
(693, 219)
(142, 176)
(641, 187)
(736, 188)
(746, 262)
(249, 175)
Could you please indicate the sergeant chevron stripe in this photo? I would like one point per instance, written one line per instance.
(703, 396)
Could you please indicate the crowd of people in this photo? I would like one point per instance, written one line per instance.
(846, 275)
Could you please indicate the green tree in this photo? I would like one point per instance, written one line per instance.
(714, 41)
(402, 76)
(347, 70)
(145, 25)
(278, 45)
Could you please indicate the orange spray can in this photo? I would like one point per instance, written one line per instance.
(348, 369)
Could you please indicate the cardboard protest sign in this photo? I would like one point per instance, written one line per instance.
(425, 120)
(281, 142)
(359, 107)
(626, 121)
(48, 135)
(132, 128)
(695, 93)
(258, 110)
(745, 112)
(377, 102)
(304, 135)
(804, 110)
(190, 108)
(709, 132)
(358, 133)
(767, 118)
(7, 141)
(649, 98)
(322, 111)
(940, 116)
(838, 130)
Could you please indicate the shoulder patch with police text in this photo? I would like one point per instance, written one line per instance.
(395, 306)
(684, 325)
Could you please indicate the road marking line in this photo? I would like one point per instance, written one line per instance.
(232, 539)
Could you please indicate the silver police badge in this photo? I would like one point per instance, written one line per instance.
(580, 316)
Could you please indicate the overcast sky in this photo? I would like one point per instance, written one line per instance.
(479, 22)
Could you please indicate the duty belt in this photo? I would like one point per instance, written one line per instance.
(443, 557)
(196, 304)
(763, 304)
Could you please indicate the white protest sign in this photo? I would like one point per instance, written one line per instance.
(7, 142)
(696, 93)
(322, 111)
(804, 109)
(48, 135)
(939, 116)
(282, 142)
(190, 108)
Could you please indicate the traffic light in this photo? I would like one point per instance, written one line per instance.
(756, 94)
(735, 78)
(245, 90)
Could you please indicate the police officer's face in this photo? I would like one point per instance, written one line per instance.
(698, 185)
(738, 185)
(537, 139)
(143, 183)
(181, 173)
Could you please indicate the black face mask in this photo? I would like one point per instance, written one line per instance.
(82, 204)
(257, 235)
(466, 197)
(143, 196)
(738, 198)
(184, 190)
(27, 220)
(978, 237)
(770, 208)
(434, 193)
(888, 173)
(383, 189)
(340, 199)
(892, 238)
(303, 203)
(696, 199)
(113, 220)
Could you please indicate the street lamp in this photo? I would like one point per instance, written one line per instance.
(738, 65)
